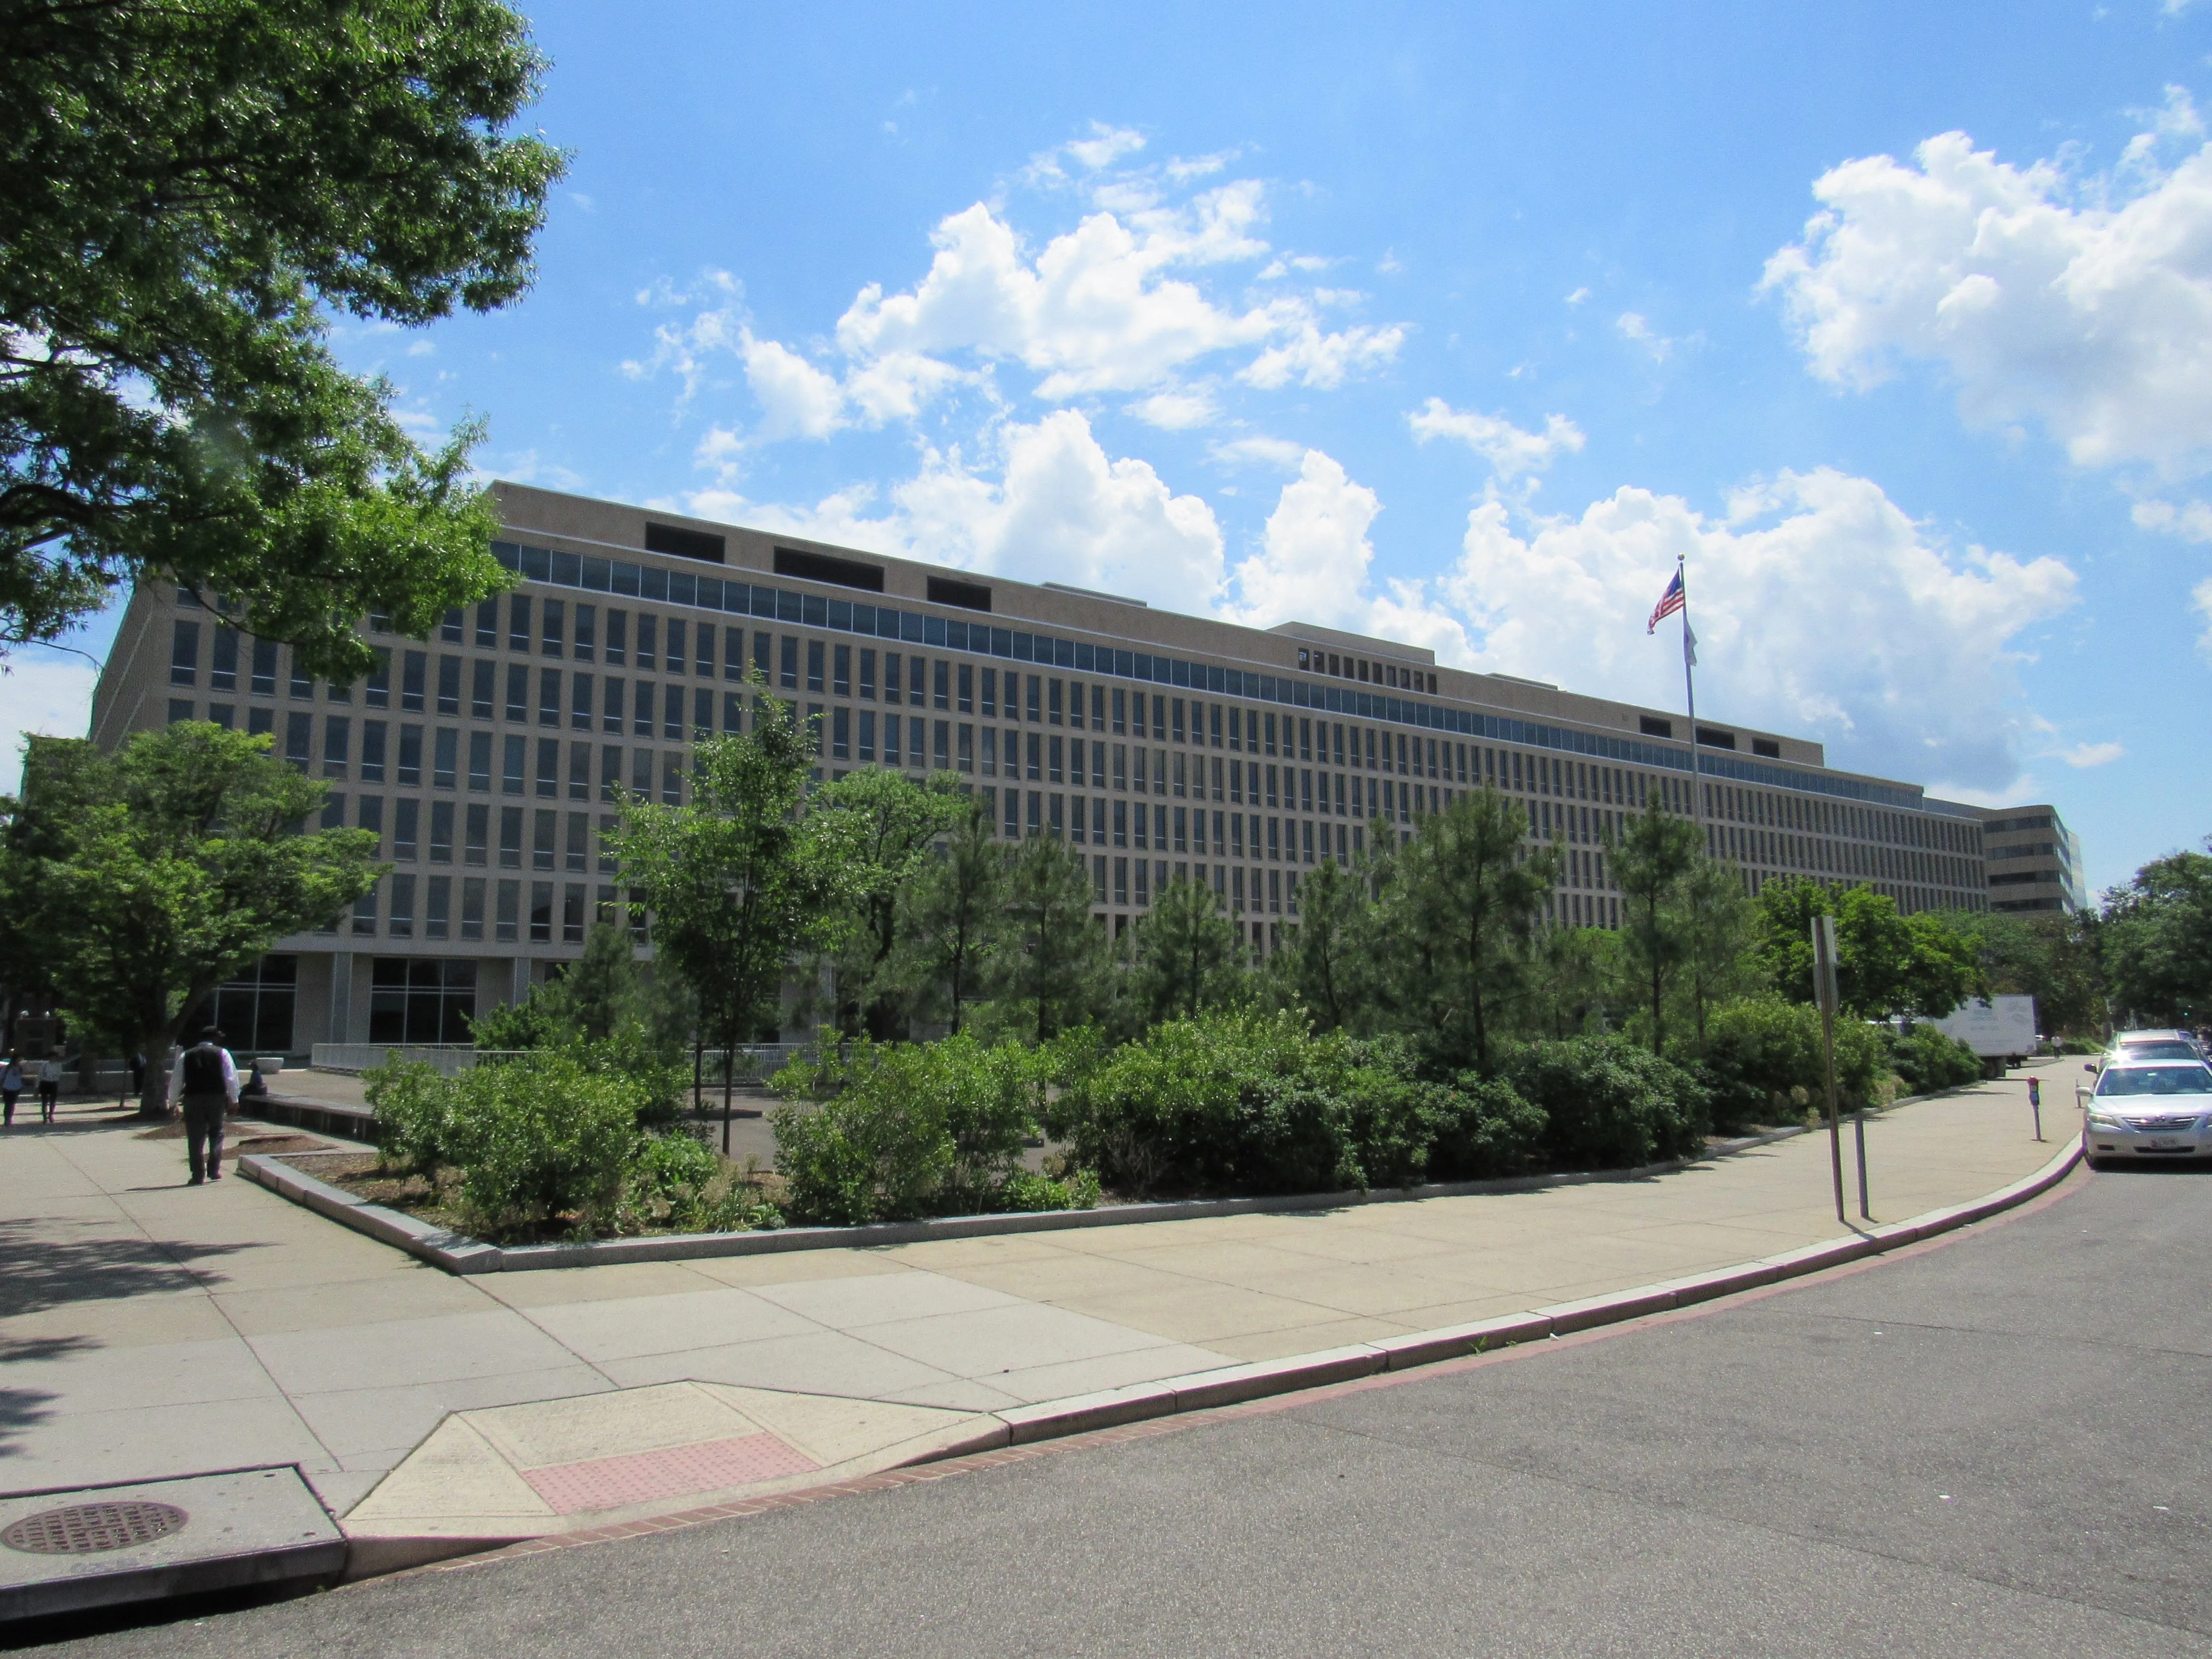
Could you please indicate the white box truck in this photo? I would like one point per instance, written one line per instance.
(2000, 1029)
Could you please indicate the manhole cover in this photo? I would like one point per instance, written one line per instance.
(89, 1529)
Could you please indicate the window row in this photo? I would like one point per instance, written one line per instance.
(493, 909)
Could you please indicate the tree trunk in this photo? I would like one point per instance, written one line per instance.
(153, 1101)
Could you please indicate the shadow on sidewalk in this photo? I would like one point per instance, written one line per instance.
(44, 1273)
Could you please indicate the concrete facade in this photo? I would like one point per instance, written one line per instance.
(2034, 859)
(1160, 744)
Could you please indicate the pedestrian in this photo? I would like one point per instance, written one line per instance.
(11, 1084)
(206, 1080)
(50, 1087)
(137, 1077)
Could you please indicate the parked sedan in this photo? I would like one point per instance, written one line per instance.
(2149, 1109)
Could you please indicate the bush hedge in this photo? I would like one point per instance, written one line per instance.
(552, 1141)
(1608, 1103)
(899, 1131)
(1249, 1101)
(1762, 1063)
(1926, 1060)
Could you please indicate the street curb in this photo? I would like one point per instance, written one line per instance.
(1112, 1415)
(1234, 1384)
(457, 1253)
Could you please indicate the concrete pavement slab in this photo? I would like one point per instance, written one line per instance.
(374, 1428)
(827, 1361)
(638, 1326)
(394, 1353)
(848, 1304)
(984, 1341)
(607, 1284)
(796, 1267)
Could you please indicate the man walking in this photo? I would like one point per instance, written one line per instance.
(206, 1081)
(50, 1087)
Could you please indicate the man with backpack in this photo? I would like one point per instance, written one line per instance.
(206, 1081)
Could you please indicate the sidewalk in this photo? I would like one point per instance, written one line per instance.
(148, 1329)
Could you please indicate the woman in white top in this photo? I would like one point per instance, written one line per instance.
(11, 1084)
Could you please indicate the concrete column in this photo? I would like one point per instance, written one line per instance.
(521, 986)
(341, 997)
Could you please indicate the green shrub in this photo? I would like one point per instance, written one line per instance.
(905, 1130)
(1485, 1129)
(539, 1139)
(675, 1168)
(1759, 1051)
(1925, 1060)
(1241, 1101)
(413, 1106)
(1027, 1193)
(1608, 1103)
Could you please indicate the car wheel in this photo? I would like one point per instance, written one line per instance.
(2096, 1162)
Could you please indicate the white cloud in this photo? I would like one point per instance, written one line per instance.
(2083, 305)
(1512, 453)
(1106, 145)
(1820, 607)
(1267, 451)
(1047, 505)
(1578, 296)
(2200, 600)
(2093, 754)
(1633, 327)
(1119, 303)
(2191, 520)
(1316, 358)
(1178, 412)
(796, 399)
(48, 695)
(1313, 566)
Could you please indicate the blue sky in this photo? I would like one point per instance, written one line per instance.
(1454, 328)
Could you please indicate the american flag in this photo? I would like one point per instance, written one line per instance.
(1669, 603)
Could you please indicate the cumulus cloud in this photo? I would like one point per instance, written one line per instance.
(1512, 453)
(1312, 565)
(2081, 305)
(1266, 451)
(1044, 502)
(2200, 600)
(1820, 607)
(1122, 303)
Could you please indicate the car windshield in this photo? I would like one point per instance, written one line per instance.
(2156, 1080)
(2169, 1049)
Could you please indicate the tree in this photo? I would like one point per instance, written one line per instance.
(879, 826)
(191, 190)
(1052, 973)
(1185, 955)
(2051, 956)
(1460, 902)
(1324, 960)
(154, 874)
(2158, 941)
(1885, 963)
(957, 919)
(1570, 971)
(734, 883)
(1653, 855)
(1715, 921)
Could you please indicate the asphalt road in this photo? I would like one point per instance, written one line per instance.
(1996, 1446)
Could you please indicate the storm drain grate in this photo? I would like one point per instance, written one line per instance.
(90, 1528)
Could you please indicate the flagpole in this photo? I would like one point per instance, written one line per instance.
(1690, 693)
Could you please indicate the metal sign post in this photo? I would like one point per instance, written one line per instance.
(1824, 993)
(2035, 1103)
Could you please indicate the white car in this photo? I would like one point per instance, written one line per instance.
(2147, 1108)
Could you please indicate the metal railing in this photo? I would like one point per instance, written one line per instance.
(755, 1061)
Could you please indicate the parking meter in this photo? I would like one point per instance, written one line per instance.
(2035, 1103)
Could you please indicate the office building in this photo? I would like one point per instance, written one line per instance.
(2034, 859)
(1157, 746)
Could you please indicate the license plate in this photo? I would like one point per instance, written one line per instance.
(2163, 1143)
